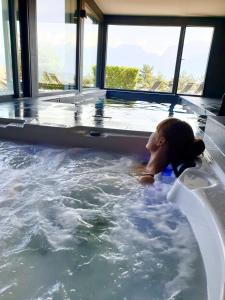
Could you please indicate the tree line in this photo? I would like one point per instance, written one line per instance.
(130, 78)
(133, 78)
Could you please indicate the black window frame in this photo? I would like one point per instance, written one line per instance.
(74, 90)
(207, 63)
(92, 11)
(13, 48)
(28, 36)
(182, 22)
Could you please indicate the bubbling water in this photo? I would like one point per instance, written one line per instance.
(75, 225)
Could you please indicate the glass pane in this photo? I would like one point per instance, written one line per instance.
(19, 47)
(196, 50)
(56, 30)
(141, 57)
(90, 52)
(6, 79)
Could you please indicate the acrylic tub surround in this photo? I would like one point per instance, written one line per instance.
(199, 193)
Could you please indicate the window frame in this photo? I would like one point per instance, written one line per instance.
(91, 14)
(177, 62)
(207, 63)
(28, 37)
(74, 90)
(95, 14)
(13, 50)
(182, 22)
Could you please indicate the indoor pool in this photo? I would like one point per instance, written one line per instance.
(76, 225)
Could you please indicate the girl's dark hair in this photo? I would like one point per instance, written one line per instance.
(182, 144)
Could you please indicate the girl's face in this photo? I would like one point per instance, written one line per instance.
(156, 140)
(152, 142)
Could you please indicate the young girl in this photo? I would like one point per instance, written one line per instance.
(173, 142)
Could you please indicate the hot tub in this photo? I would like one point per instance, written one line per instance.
(75, 224)
(198, 193)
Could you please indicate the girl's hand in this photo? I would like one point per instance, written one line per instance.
(142, 175)
(146, 179)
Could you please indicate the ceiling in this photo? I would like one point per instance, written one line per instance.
(163, 7)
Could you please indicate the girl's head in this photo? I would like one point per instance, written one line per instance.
(178, 139)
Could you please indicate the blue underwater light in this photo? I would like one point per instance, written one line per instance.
(168, 171)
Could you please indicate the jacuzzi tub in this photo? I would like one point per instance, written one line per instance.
(199, 192)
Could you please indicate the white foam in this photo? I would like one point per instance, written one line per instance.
(81, 211)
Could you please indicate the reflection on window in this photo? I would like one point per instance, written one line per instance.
(90, 52)
(56, 30)
(194, 60)
(6, 80)
(141, 57)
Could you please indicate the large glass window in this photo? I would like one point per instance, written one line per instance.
(6, 80)
(194, 62)
(56, 31)
(141, 57)
(90, 52)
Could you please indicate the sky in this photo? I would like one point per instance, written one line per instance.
(154, 39)
(151, 39)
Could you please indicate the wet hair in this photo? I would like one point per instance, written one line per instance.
(182, 144)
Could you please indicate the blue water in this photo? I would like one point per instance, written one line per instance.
(76, 225)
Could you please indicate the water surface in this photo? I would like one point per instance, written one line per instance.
(75, 225)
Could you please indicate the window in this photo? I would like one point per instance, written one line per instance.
(195, 55)
(141, 57)
(90, 52)
(6, 79)
(56, 32)
(19, 54)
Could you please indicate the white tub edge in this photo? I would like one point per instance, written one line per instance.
(204, 207)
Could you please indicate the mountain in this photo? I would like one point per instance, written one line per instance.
(194, 61)
(195, 57)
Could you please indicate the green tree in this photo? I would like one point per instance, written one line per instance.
(145, 78)
(120, 77)
(163, 83)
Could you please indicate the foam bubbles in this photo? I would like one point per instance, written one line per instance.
(75, 225)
